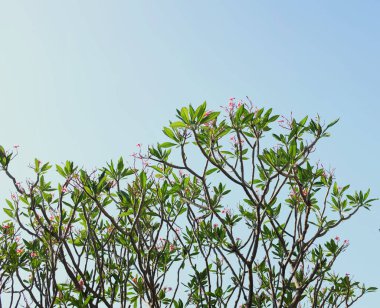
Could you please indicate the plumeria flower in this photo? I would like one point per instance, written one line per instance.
(81, 284)
(16, 146)
(337, 238)
(33, 254)
(226, 211)
(215, 225)
(346, 242)
(20, 250)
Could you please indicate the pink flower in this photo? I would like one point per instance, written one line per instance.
(215, 225)
(33, 254)
(238, 239)
(139, 145)
(177, 230)
(6, 226)
(64, 189)
(207, 113)
(81, 284)
(347, 274)
(226, 211)
(337, 238)
(16, 146)
(346, 242)
(171, 248)
(17, 238)
(20, 250)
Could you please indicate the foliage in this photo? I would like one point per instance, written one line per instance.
(214, 217)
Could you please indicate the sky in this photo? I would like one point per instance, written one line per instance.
(88, 80)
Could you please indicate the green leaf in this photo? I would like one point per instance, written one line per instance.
(177, 125)
(201, 111)
(9, 212)
(168, 132)
(332, 124)
(143, 179)
(167, 145)
(60, 170)
(208, 172)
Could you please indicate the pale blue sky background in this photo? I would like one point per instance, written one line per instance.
(87, 80)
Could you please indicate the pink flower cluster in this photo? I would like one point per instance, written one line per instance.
(226, 211)
(285, 122)
(235, 140)
(345, 242)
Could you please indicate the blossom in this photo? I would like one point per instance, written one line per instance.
(20, 250)
(6, 226)
(337, 238)
(226, 211)
(171, 247)
(346, 242)
(215, 225)
(33, 254)
(16, 146)
(64, 189)
(81, 284)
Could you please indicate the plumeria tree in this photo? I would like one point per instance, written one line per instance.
(223, 214)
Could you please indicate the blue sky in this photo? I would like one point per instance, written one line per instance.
(87, 80)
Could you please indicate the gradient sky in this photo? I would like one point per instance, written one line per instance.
(87, 80)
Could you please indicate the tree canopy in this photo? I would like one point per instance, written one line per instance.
(230, 211)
